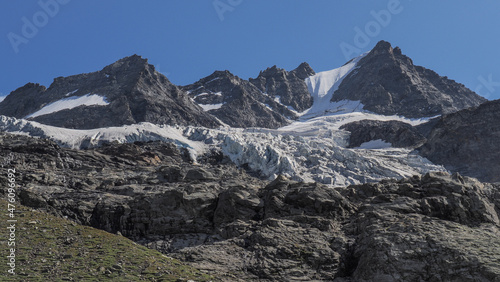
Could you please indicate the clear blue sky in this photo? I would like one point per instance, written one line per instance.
(188, 40)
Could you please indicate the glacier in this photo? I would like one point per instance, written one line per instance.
(312, 148)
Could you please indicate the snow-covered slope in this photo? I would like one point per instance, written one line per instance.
(322, 86)
(70, 103)
(82, 139)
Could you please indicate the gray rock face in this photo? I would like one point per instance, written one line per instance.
(24, 100)
(399, 134)
(387, 82)
(437, 227)
(289, 87)
(468, 141)
(242, 104)
(136, 92)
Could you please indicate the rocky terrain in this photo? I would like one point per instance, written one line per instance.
(398, 133)
(220, 219)
(130, 91)
(387, 82)
(468, 141)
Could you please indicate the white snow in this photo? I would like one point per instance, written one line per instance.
(208, 107)
(70, 103)
(213, 80)
(70, 93)
(213, 93)
(80, 139)
(375, 144)
(322, 86)
(2, 98)
(313, 150)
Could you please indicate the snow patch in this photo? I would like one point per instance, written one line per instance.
(82, 139)
(208, 107)
(375, 144)
(70, 103)
(213, 80)
(70, 93)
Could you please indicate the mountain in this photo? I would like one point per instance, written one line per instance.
(128, 91)
(288, 87)
(468, 141)
(387, 82)
(237, 102)
(340, 175)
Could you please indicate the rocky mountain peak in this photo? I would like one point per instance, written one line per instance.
(130, 62)
(220, 76)
(385, 48)
(303, 71)
(387, 82)
(274, 70)
(382, 47)
(287, 86)
(383, 52)
(237, 102)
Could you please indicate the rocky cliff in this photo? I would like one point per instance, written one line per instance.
(468, 141)
(398, 133)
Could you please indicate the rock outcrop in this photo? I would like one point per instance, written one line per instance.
(218, 218)
(132, 89)
(398, 133)
(468, 142)
(386, 82)
(288, 87)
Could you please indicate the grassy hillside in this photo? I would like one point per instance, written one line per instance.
(54, 249)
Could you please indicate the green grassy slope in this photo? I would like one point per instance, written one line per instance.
(54, 249)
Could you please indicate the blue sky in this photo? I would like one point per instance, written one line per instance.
(187, 40)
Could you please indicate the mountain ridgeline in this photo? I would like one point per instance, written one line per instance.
(384, 81)
(135, 92)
